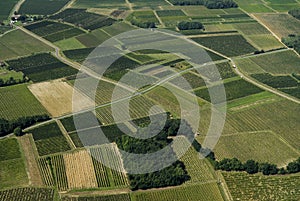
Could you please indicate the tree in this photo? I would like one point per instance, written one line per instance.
(251, 167)
(18, 131)
(293, 167)
(268, 169)
(184, 25)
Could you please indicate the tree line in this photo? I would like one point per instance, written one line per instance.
(13, 81)
(211, 4)
(144, 25)
(16, 126)
(252, 167)
(292, 41)
(185, 25)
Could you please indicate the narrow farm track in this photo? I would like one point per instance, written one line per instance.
(160, 21)
(16, 7)
(129, 5)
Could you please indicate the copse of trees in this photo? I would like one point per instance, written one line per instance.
(7, 127)
(12, 81)
(295, 13)
(252, 167)
(292, 41)
(144, 25)
(185, 25)
(211, 4)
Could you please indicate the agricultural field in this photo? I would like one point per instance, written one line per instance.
(17, 101)
(56, 97)
(104, 4)
(69, 44)
(142, 4)
(113, 197)
(41, 67)
(54, 31)
(28, 194)
(281, 24)
(13, 172)
(49, 139)
(233, 45)
(5, 75)
(17, 43)
(207, 191)
(83, 19)
(257, 187)
(264, 146)
(5, 9)
(42, 7)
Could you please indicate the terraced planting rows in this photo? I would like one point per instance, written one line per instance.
(246, 187)
(41, 67)
(42, 7)
(84, 19)
(49, 139)
(28, 194)
(115, 197)
(54, 31)
(17, 101)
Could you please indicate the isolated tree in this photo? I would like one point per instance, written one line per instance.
(251, 166)
(18, 131)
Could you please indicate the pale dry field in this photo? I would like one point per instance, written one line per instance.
(56, 97)
(80, 170)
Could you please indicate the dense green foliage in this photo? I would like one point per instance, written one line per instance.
(211, 4)
(42, 7)
(276, 81)
(292, 41)
(184, 25)
(12, 81)
(9, 149)
(78, 54)
(295, 13)
(7, 127)
(41, 67)
(84, 19)
(27, 194)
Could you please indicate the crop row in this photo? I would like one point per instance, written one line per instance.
(115, 197)
(27, 194)
(42, 7)
(276, 81)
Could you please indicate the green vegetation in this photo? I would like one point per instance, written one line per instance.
(247, 187)
(276, 81)
(68, 44)
(211, 4)
(17, 43)
(41, 67)
(114, 197)
(292, 41)
(84, 19)
(54, 31)
(234, 45)
(9, 149)
(10, 77)
(295, 13)
(234, 89)
(42, 7)
(78, 55)
(189, 25)
(5, 9)
(17, 101)
(143, 19)
(49, 139)
(27, 194)
(106, 4)
(167, 13)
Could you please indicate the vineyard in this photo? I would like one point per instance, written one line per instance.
(84, 19)
(115, 197)
(6, 7)
(257, 187)
(28, 194)
(276, 81)
(9, 149)
(145, 4)
(42, 7)
(17, 101)
(49, 139)
(41, 67)
(54, 31)
(78, 55)
(234, 45)
(207, 191)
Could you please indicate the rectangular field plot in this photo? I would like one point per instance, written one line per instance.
(9, 149)
(276, 81)
(259, 146)
(42, 7)
(234, 90)
(113, 197)
(285, 62)
(108, 4)
(234, 45)
(49, 139)
(202, 11)
(5, 9)
(27, 194)
(18, 43)
(41, 67)
(56, 97)
(281, 24)
(17, 101)
(208, 192)
(54, 31)
(84, 19)
(243, 186)
(170, 13)
(137, 4)
(68, 44)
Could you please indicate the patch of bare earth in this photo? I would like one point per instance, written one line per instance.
(56, 97)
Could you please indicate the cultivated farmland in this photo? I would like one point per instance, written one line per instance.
(27, 194)
(17, 101)
(5, 8)
(42, 7)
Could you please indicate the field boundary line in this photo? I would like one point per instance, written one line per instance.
(65, 134)
(159, 19)
(266, 5)
(169, 2)
(129, 5)
(224, 186)
(279, 137)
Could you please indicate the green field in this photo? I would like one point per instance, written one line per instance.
(27, 194)
(264, 188)
(138, 4)
(107, 4)
(234, 45)
(263, 146)
(9, 149)
(114, 197)
(5, 9)
(70, 43)
(17, 101)
(5, 74)
(42, 7)
(17, 43)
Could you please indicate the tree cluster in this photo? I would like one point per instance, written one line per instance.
(12, 81)
(169, 176)
(144, 25)
(292, 41)
(7, 127)
(211, 4)
(184, 25)
(252, 167)
(295, 13)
